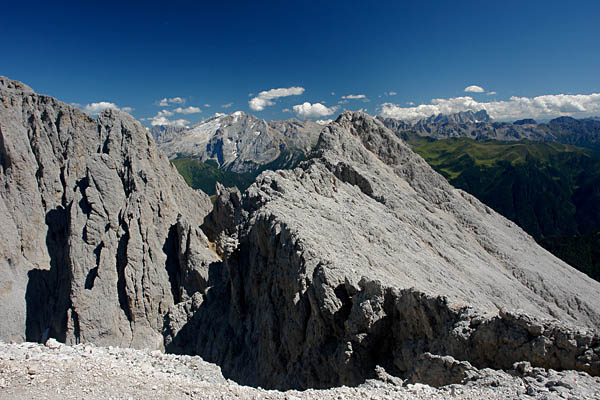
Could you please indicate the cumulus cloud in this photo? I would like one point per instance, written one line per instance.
(158, 121)
(474, 89)
(540, 107)
(226, 105)
(97, 108)
(491, 93)
(161, 118)
(266, 97)
(391, 93)
(164, 113)
(168, 101)
(207, 105)
(188, 110)
(354, 97)
(307, 110)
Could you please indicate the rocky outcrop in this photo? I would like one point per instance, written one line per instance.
(364, 256)
(101, 235)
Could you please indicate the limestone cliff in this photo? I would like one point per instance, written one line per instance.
(100, 234)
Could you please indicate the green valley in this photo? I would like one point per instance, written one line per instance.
(551, 190)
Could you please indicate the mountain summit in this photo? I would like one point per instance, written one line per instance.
(239, 142)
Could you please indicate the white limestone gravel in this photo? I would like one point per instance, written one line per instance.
(85, 371)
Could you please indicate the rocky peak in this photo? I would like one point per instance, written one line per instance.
(462, 117)
(103, 234)
(364, 256)
(241, 142)
(8, 85)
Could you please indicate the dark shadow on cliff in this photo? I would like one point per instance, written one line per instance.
(47, 293)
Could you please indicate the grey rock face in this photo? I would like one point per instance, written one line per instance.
(444, 128)
(165, 133)
(459, 117)
(364, 256)
(101, 233)
(242, 143)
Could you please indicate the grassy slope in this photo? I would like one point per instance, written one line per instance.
(551, 190)
(204, 176)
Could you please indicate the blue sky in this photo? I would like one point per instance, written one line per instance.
(217, 53)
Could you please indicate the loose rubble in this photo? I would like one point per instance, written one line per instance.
(57, 371)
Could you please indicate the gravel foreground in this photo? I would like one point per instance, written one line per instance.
(57, 371)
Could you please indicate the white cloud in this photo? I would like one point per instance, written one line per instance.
(164, 113)
(265, 98)
(286, 110)
(226, 105)
(324, 121)
(258, 104)
(157, 121)
(207, 105)
(161, 119)
(354, 97)
(540, 107)
(333, 93)
(491, 93)
(308, 110)
(392, 93)
(187, 110)
(474, 89)
(173, 100)
(97, 108)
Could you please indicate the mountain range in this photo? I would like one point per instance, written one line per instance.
(362, 259)
(479, 126)
(239, 142)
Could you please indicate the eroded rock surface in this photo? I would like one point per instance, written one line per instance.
(100, 233)
(364, 256)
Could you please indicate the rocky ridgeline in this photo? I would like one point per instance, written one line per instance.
(479, 126)
(361, 260)
(365, 256)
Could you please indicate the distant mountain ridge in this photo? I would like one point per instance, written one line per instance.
(238, 142)
(566, 130)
